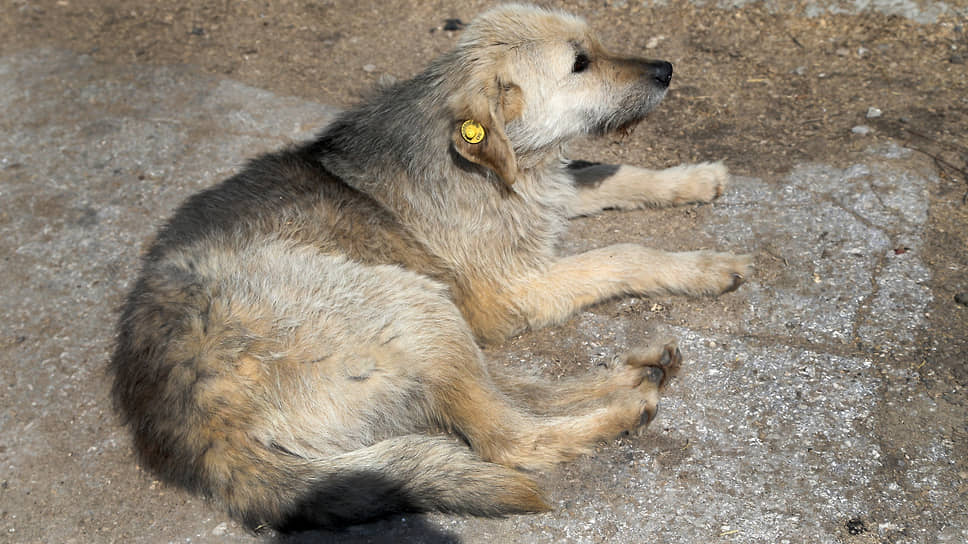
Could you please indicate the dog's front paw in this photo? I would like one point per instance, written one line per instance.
(716, 273)
(702, 182)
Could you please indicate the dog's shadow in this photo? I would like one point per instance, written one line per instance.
(408, 528)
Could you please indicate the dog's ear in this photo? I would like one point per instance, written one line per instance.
(478, 133)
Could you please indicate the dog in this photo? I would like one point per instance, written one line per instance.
(302, 343)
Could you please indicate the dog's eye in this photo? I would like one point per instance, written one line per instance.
(581, 63)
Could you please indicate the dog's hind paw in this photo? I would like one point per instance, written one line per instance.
(658, 363)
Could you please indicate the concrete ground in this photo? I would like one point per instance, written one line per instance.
(811, 407)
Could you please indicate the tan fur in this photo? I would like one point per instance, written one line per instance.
(301, 345)
(630, 187)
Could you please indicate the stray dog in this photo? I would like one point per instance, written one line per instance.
(302, 343)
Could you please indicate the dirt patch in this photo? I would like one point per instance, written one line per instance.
(760, 89)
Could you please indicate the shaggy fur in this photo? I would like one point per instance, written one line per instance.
(302, 343)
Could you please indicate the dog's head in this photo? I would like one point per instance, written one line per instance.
(532, 79)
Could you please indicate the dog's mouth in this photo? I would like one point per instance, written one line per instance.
(634, 110)
(629, 115)
(624, 125)
(623, 129)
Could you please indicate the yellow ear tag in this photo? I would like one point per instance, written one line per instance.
(472, 131)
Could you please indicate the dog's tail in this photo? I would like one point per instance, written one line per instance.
(413, 473)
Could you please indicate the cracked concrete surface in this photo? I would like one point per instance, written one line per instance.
(853, 234)
(922, 11)
(796, 418)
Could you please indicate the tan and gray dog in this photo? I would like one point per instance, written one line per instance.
(302, 343)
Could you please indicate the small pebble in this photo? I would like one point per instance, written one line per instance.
(654, 42)
(800, 70)
(843, 52)
(220, 529)
(369, 68)
(856, 526)
(386, 80)
(962, 298)
(873, 113)
(453, 24)
(863, 130)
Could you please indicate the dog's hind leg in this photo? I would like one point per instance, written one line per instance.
(552, 295)
(604, 186)
(570, 395)
(503, 433)
(314, 382)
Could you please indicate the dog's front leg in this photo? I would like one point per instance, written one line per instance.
(623, 187)
(570, 283)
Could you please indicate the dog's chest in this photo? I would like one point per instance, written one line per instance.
(501, 229)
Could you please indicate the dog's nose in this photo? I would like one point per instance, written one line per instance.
(662, 72)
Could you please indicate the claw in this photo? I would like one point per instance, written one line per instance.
(738, 280)
(671, 357)
(669, 365)
(649, 415)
